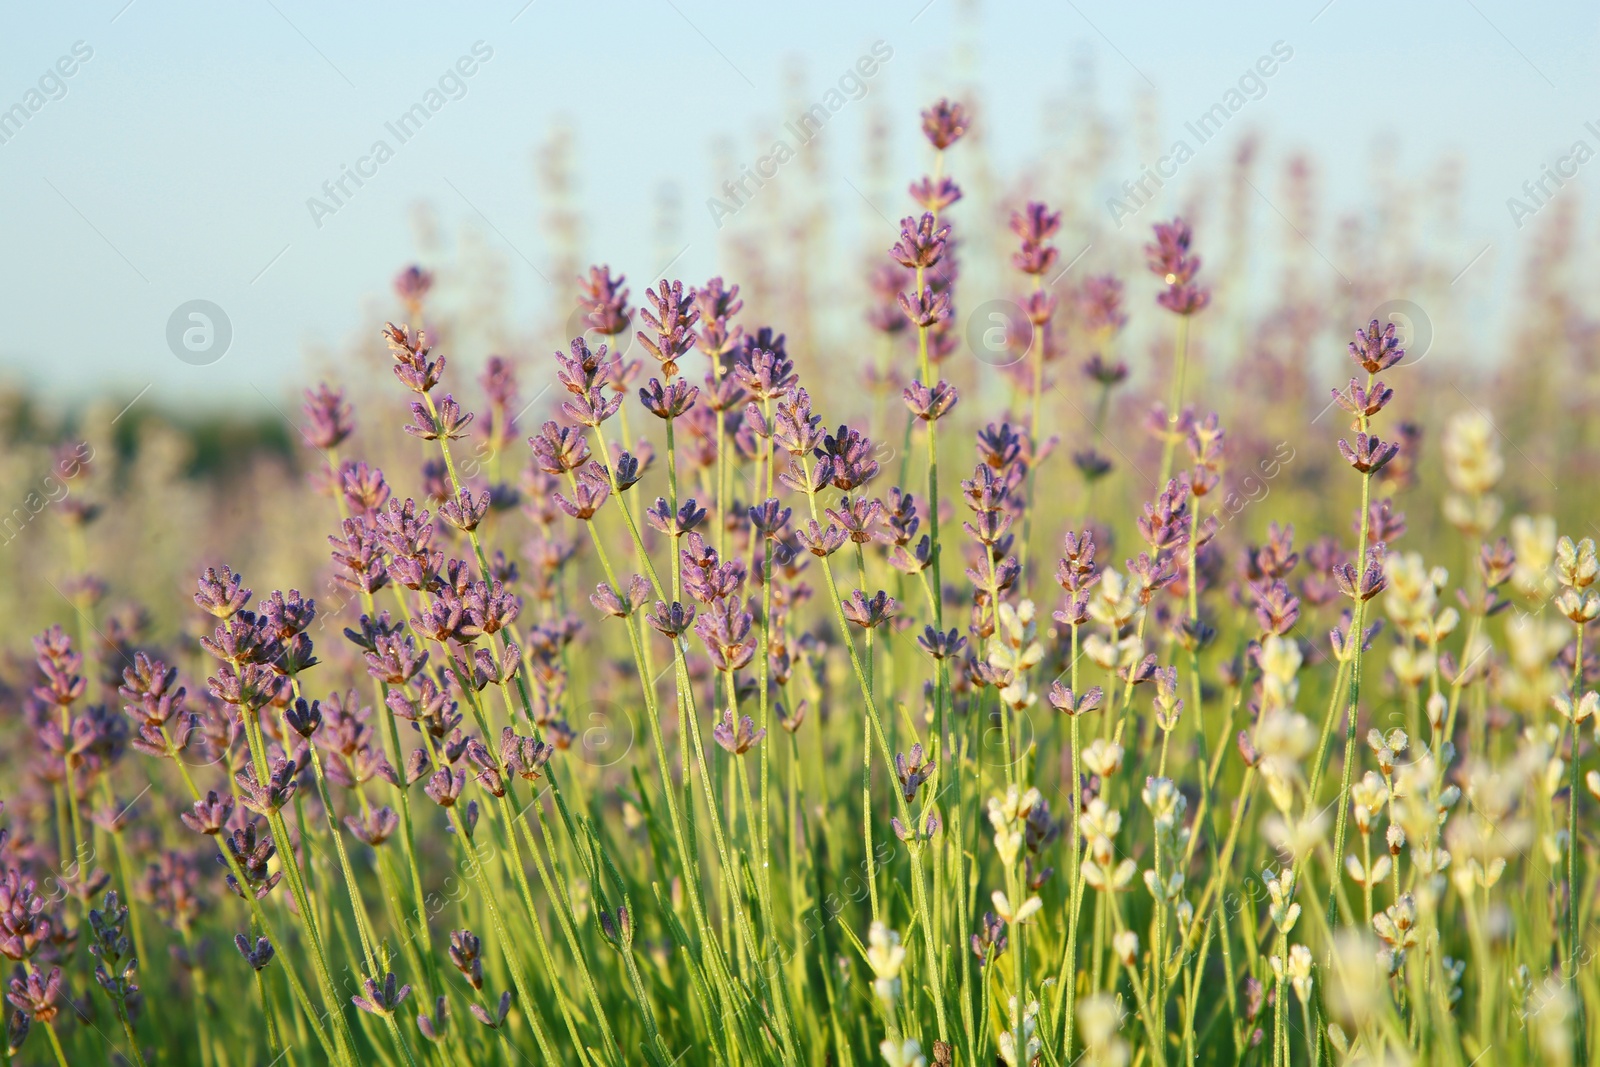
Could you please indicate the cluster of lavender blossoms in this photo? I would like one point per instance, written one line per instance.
(661, 727)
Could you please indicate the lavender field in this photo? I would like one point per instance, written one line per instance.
(1058, 629)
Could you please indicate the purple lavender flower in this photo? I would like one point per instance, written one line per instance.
(249, 687)
(382, 1000)
(661, 517)
(764, 370)
(1369, 583)
(210, 815)
(447, 421)
(795, 429)
(435, 1026)
(669, 401)
(360, 556)
(488, 772)
(1169, 260)
(851, 452)
(1151, 574)
(858, 516)
(464, 512)
(769, 517)
(432, 709)
(1035, 225)
(499, 382)
(926, 307)
(444, 788)
(584, 374)
(737, 739)
(899, 518)
(583, 370)
(1496, 563)
(1376, 348)
(1064, 700)
(408, 535)
(1139, 673)
(791, 722)
(1165, 522)
(627, 468)
(717, 304)
(912, 560)
(1341, 639)
(413, 367)
(912, 769)
(819, 541)
(990, 942)
(887, 281)
(466, 951)
(1169, 257)
(419, 764)
(935, 195)
(1277, 557)
(1362, 402)
(930, 828)
(17, 1029)
(24, 926)
(671, 620)
(328, 417)
(498, 1018)
(617, 603)
(252, 853)
(928, 404)
(870, 612)
(155, 699)
(392, 655)
(606, 301)
(559, 449)
(267, 798)
(35, 993)
(1100, 305)
(411, 286)
(524, 756)
(672, 318)
(258, 955)
(944, 123)
(590, 491)
(490, 608)
(1277, 609)
(1369, 454)
(222, 594)
(1091, 464)
(941, 645)
(727, 631)
(1040, 307)
(921, 243)
(375, 827)
(999, 446)
(723, 394)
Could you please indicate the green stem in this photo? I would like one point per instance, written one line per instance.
(1180, 367)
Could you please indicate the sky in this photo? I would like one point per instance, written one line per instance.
(167, 231)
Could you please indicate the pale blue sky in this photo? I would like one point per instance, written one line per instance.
(179, 161)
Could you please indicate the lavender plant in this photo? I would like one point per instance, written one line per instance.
(1276, 812)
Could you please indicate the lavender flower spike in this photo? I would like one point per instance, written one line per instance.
(737, 739)
(382, 1000)
(944, 123)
